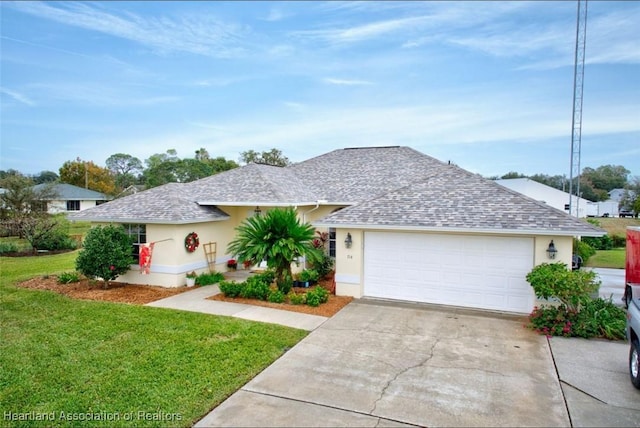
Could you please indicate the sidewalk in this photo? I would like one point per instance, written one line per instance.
(196, 301)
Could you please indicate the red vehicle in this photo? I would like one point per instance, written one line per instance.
(632, 300)
(632, 271)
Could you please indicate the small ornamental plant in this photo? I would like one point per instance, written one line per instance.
(191, 242)
(232, 264)
(192, 274)
(106, 253)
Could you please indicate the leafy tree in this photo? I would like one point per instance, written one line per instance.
(591, 192)
(606, 177)
(631, 196)
(125, 168)
(272, 157)
(277, 237)
(162, 168)
(106, 253)
(45, 177)
(21, 200)
(559, 182)
(512, 174)
(88, 175)
(220, 164)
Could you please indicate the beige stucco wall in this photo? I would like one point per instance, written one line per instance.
(171, 262)
(350, 262)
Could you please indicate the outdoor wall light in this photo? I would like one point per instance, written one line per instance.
(348, 241)
(551, 250)
(257, 211)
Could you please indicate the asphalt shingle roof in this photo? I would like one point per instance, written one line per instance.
(383, 186)
(455, 199)
(253, 183)
(66, 191)
(170, 203)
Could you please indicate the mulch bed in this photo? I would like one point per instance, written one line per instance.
(328, 309)
(93, 290)
(142, 294)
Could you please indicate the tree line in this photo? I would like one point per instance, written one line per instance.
(121, 170)
(595, 184)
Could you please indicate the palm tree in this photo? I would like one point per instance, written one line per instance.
(277, 237)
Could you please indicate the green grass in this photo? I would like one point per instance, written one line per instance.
(614, 259)
(115, 360)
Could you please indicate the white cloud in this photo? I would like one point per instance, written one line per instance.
(90, 94)
(346, 82)
(202, 35)
(17, 96)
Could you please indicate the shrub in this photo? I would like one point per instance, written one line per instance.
(255, 288)
(106, 253)
(297, 299)
(554, 280)
(551, 320)
(54, 239)
(267, 276)
(231, 288)
(601, 318)
(597, 318)
(209, 278)
(619, 241)
(317, 296)
(601, 243)
(324, 266)
(68, 277)
(309, 275)
(583, 249)
(275, 296)
(8, 247)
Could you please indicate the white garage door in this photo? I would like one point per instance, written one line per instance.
(470, 271)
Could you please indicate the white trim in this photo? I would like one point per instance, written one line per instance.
(347, 279)
(481, 231)
(141, 221)
(256, 203)
(171, 269)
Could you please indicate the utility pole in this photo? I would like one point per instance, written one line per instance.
(576, 126)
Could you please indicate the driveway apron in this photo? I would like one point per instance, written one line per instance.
(378, 364)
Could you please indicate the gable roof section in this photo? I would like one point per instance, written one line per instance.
(252, 184)
(349, 176)
(456, 200)
(66, 191)
(170, 203)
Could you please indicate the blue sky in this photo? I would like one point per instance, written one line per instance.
(486, 85)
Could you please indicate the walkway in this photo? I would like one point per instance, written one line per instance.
(196, 301)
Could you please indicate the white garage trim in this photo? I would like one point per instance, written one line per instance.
(485, 272)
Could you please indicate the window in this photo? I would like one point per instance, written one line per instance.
(139, 234)
(332, 242)
(73, 205)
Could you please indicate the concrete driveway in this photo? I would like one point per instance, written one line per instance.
(595, 380)
(377, 364)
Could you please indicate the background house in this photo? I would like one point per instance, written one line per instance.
(551, 196)
(70, 198)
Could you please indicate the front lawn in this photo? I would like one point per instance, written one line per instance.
(614, 259)
(117, 364)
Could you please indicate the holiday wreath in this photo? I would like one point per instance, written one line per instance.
(191, 242)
